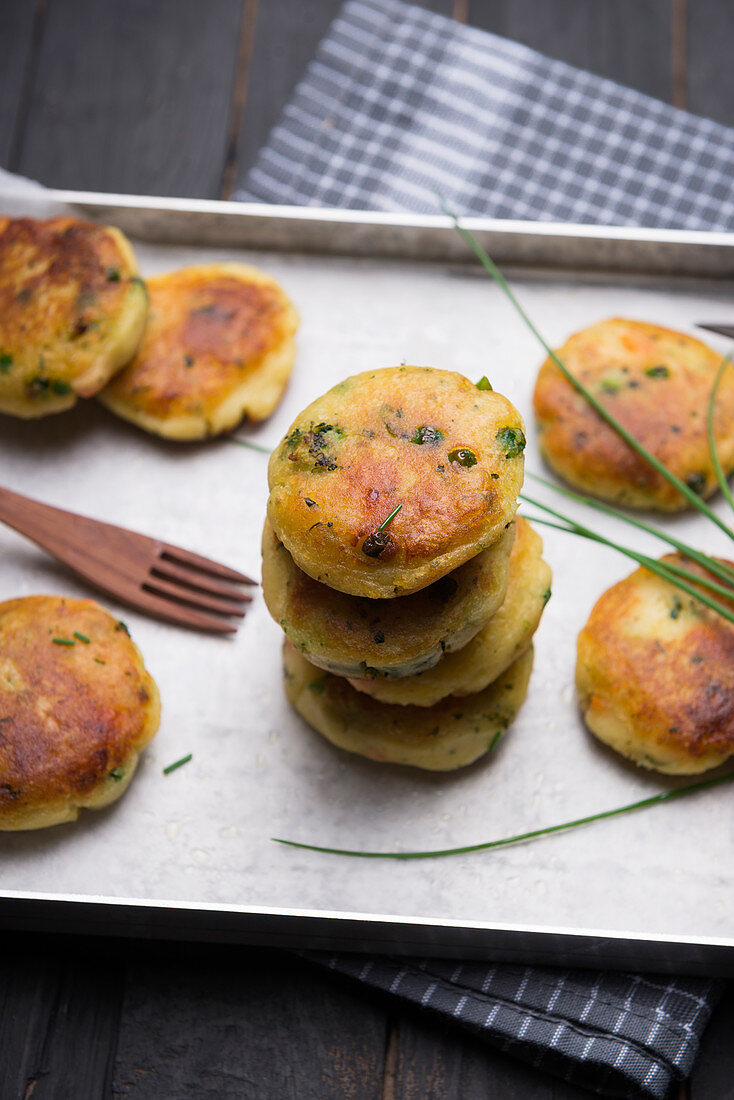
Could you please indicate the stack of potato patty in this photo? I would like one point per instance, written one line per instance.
(407, 589)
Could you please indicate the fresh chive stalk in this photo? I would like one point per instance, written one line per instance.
(533, 834)
(720, 475)
(718, 568)
(390, 518)
(248, 443)
(491, 268)
(675, 575)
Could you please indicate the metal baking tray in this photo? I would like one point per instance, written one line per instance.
(189, 854)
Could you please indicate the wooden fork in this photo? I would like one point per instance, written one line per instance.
(153, 576)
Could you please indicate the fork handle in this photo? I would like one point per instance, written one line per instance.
(44, 525)
(28, 517)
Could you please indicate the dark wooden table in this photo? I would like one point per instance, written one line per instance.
(174, 97)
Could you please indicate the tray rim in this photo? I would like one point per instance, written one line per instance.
(346, 930)
(337, 215)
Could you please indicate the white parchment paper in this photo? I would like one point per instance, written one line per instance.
(202, 834)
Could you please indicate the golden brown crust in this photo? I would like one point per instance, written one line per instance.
(219, 345)
(655, 674)
(657, 383)
(349, 635)
(501, 641)
(385, 438)
(72, 310)
(73, 717)
(449, 735)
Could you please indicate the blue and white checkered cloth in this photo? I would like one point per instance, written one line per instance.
(398, 104)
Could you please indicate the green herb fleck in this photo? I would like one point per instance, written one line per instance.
(390, 518)
(122, 626)
(81, 637)
(316, 444)
(317, 686)
(60, 387)
(117, 774)
(100, 661)
(697, 482)
(484, 383)
(424, 434)
(380, 543)
(113, 275)
(463, 456)
(676, 608)
(38, 386)
(63, 641)
(512, 441)
(546, 596)
(177, 764)
(6, 362)
(611, 385)
(660, 371)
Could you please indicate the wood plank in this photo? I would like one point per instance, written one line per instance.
(624, 40)
(287, 34)
(17, 19)
(59, 1007)
(710, 90)
(713, 1073)
(438, 1062)
(220, 1023)
(133, 96)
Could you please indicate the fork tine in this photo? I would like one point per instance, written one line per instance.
(165, 608)
(202, 581)
(180, 595)
(205, 565)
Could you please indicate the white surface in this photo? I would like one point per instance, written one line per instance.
(202, 833)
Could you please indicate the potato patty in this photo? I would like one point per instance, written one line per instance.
(72, 311)
(76, 709)
(428, 440)
(504, 638)
(655, 674)
(219, 345)
(449, 735)
(351, 635)
(657, 383)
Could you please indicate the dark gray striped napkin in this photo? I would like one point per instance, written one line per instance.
(624, 1035)
(398, 103)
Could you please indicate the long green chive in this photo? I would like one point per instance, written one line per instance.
(63, 641)
(491, 268)
(391, 517)
(534, 834)
(177, 764)
(248, 443)
(81, 637)
(718, 568)
(720, 475)
(675, 575)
